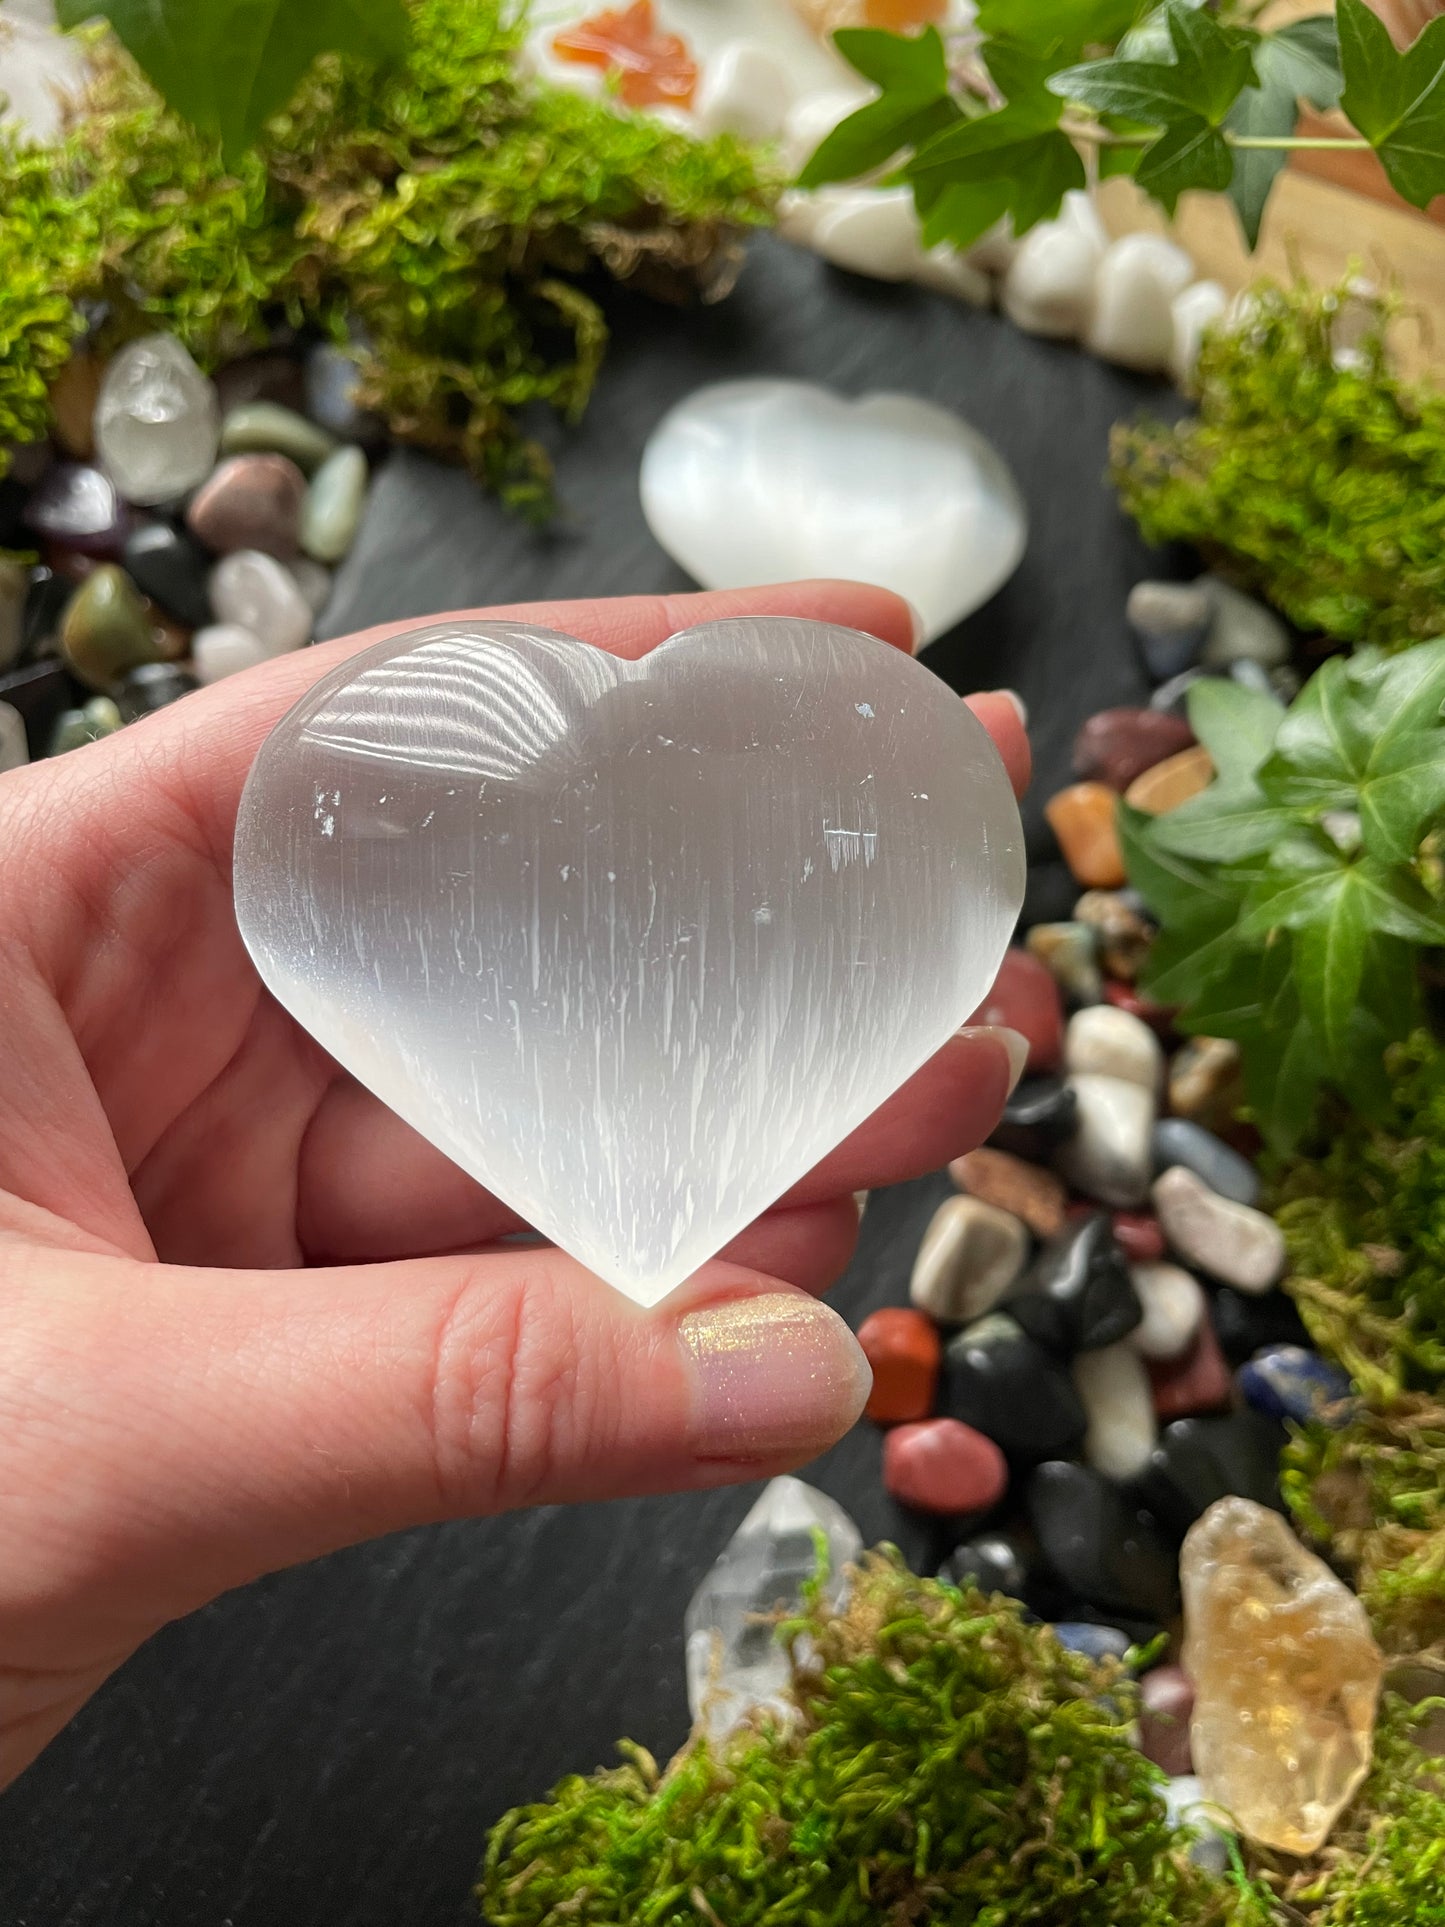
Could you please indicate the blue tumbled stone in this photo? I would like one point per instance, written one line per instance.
(1291, 1382)
(1177, 1141)
(1094, 1642)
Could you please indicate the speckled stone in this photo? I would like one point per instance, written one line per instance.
(970, 1255)
(1070, 954)
(1123, 933)
(106, 629)
(252, 502)
(1232, 1242)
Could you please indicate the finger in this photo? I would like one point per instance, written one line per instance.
(368, 1187)
(225, 1424)
(806, 1245)
(1002, 715)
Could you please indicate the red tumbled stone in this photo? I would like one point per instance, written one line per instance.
(1198, 1382)
(1159, 1017)
(1119, 744)
(904, 1349)
(1139, 1237)
(1026, 998)
(943, 1465)
(1166, 1701)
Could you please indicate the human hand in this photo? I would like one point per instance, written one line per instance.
(248, 1316)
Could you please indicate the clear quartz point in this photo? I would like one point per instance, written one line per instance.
(157, 420)
(734, 1660)
(634, 943)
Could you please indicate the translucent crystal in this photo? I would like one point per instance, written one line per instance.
(734, 1661)
(157, 422)
(635, 943)
(1286, 1676)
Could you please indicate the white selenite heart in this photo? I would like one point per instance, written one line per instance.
(747, 482)
(635, 943)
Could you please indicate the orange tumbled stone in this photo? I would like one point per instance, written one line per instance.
(1082, 818)
(652, 68)
(905, 1351)
(1172, 782)
(898, 14)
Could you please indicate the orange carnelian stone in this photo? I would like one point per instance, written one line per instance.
(897, 14)
(905, 1351)
(652, 68)
(1082, 818)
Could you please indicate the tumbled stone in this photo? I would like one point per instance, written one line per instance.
(314, 581)
(1138, 1236)
(267, 428)
(942, 1465)
(1159, 1017)
(224, 649)
(1094, 1642)
(1173, 1311)
(1205, 1081)
(1116, 745)
(1293, 1382)
(156, 420)
(996, 1379)
(1205, 1825)
(38, 692)
(251, 502)
(1171, 782)
(1070, 954)
(1082, 818)
(268, 376)
(172, 568)
(77, 508)
(256, 591)
(14, 751)
(1025, 997)
(1232, 1242)
(1286, 1677)
(1131, 319)
(734, 1660)
(1122, 933)
(904, 1350)
(331, 513)
(994, 1562)
(1104, 1042)
(331, 379)
(151, 686)
(970, 1255)
(1108, 1157)
(1200, 1460)
(1246, 1322)
(1166, 1701)
(1196, 1381)
(1100, 1543)
(1026, 1190)
(1243, 630)
(1173, 696)
(1037, 1117)
(172, 639)
(75, 728)
(1172, 621)
(1179, 1141)
(106, 629)
(1077, 1294)
(1113, 1388)
(14, 588)
(73, 396)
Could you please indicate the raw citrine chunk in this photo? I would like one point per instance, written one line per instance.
(652, 68)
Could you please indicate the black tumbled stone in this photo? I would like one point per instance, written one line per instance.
(40, 691)
(998, 1380)
(1101, 1544)
(152, 686)
(1041, 1114)
(171, 567)
(46, 601)
(1199, 1460)
(1077, 1295)
(994, 1562)
(1245, 1321)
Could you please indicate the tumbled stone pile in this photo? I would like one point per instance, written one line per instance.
(185, 529)
(1096, 1348)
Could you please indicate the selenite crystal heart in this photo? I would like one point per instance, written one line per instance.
(635, 943)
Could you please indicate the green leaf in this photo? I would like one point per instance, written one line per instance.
(1396, 100)
(1223, 824)
(1210, 66)
(1403, 794)
(228, 65)
(1120, 160)
(1178, 893)
(1288, 902)
(1300, 62)
(873, 135)
(1184, 965)
(1399, 693)
(898, 63)
(1236, 725)
(1329, 961)
(1282, 1070)
(1057, 28)
(1323, 738)
(1189, 153)
(1014, 161)
(1398, 905)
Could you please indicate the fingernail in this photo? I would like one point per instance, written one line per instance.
(920, 627)
(777, 1376)
(1020, 706)
(1013, 1041)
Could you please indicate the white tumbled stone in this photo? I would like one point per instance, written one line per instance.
(1173, 1304)
(1199, 307)
(744, 89)
(971, 1253)
(1049, 286)
(1132, 320)
(224, 649)
(262, 595)
(1109, 1156)
(13, 751)
(810, 119)
(872, 231)
(1114, 1390)
(1232, 1242)
(1104, 1041)
(950, 272)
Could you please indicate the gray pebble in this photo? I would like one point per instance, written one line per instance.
(1170, 696)
(1172, 621)
(1243, 628)
(1178, 1141)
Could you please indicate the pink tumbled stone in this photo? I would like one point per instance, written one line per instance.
(1119, 744)
(1166, 1700)
(1198, 1382)
(943, 1465)
(1026, 998)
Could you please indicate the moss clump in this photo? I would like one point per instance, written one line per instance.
(447, 212)
(949, 1763)
(1320, 485)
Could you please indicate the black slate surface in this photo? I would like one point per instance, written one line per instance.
(328, 1748)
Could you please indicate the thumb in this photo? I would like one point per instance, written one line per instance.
(223, 1424)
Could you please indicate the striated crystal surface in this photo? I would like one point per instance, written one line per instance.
(1286, 1675)
(734, 1661)
(157, 422)
(635, 943)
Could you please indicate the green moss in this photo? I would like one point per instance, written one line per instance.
(950, 1763)
(1322, 487)
(451, 212)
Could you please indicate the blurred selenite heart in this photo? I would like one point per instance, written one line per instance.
(634, 943)
(748, 482)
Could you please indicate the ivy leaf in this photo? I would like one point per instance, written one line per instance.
(228, 65)
(1179, 894)
(915, 103)
(1397, 904)
(1329, 961)
(1323, 746)
(1236, 725)
(1403, 792)
(1211, 64)
(1396, 100)
(1059, 29)
(1287, 901)
(1014, 162)
(1404, 692)
(1185, 965)
(1190, 153)
(898, 63)
(1282, 1073)
(1224, 824)
(1300, 62)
